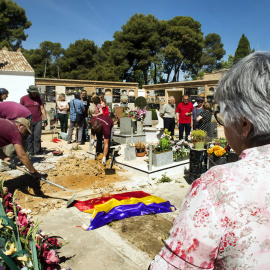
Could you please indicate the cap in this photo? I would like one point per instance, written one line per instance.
(32, 89)
(200, 99)
(24, 122)
(3, 91)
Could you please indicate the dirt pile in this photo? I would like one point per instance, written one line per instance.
(71, 172)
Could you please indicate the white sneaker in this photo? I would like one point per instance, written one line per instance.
(104, 161)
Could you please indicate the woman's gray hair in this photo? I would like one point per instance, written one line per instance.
(244, 92)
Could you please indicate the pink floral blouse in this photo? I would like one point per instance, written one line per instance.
(224, 222)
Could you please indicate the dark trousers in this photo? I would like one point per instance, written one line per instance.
(63, 118)
(34, 139)
(187, 129)
(85, 130)
(169, 123)
(78, 126)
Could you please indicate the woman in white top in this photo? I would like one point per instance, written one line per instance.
(62, 108)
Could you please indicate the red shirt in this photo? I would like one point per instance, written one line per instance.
(13, 110)
(182, 109)
(107, 124)
(33, 105)
(9, 133)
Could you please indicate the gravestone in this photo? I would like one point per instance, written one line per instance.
(118, 111)
(148, 118)
(125, 126)
(130, 153)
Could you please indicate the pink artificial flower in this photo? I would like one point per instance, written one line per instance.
(50, 257)
(22, 219)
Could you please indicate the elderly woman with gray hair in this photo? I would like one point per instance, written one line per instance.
(224, 222)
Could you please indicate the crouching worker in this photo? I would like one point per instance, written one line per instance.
(102, 126)
(12, 133)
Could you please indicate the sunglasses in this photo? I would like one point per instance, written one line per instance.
(218, 117)
(185, 98)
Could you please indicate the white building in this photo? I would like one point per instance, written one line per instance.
(16, 74)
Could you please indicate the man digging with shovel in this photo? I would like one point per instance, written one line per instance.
(12, 133)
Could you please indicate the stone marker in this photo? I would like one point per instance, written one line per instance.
(130, 153)
(118, 111)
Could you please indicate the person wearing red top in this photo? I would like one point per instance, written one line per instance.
(12, 133)
(183, 117)
(34, 104)
(102, 126)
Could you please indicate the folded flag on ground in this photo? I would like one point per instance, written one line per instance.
(120, 206)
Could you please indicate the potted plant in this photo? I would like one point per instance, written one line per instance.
(140, 149)
(181, 151)
(162, 151)
(198, 138)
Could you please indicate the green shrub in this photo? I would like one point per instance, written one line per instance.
(140, 102)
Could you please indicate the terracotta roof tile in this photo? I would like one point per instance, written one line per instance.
(14, 61)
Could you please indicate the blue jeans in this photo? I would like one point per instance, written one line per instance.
(34, 139)
(187, 129)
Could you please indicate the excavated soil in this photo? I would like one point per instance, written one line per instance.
(74, 173)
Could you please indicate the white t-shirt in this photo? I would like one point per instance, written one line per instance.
(62, 104)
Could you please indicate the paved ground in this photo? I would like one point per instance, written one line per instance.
(104, 248)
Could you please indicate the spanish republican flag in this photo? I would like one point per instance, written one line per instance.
(120, 206)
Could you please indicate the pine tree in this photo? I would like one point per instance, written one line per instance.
(243, 49)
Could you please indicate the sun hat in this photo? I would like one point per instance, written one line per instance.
(32, 89)
(24, 122)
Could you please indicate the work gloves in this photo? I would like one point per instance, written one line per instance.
(45, 122)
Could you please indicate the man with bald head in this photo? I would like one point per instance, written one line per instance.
(168, 115)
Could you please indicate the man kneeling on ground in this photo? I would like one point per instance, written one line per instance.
(102, 126)
(11, 132)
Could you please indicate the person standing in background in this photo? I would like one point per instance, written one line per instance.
(168, 115)
(34, 104)
(183, 117)
(86, 105)
(76, 107)
(196, 111)
(62, 108)
(104, 107)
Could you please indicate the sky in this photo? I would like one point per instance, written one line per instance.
(66, 21)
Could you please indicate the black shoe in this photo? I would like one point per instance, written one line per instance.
(68, 142)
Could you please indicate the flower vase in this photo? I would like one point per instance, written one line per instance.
(198, 145)
(140, 154)
(213, 161)
(160, 159)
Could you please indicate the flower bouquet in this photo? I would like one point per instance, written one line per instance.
(181, 150)
(22, 243)
(136, 113)
(165, 143)
(217, 155)
(124, 99)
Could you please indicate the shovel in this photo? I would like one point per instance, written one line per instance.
(69, 202)
(110, 170)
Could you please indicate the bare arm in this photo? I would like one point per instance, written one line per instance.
(24, 158)
(177, 119)
(43, 112)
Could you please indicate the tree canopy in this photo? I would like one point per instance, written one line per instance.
(243, 49)
(146, 50)
(213, 52)
(13, 22)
